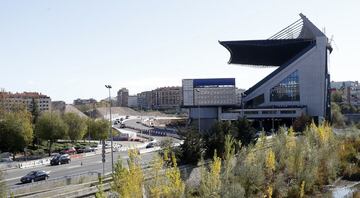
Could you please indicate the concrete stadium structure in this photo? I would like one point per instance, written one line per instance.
(301, 81)
(299, 85)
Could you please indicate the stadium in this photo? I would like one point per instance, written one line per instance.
(300, 84)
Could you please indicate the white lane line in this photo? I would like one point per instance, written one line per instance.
(70, 167)
(12, 179)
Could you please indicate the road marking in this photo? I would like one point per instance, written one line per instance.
(12, 179)
(70, 167)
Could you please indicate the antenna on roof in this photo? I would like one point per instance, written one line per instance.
(332, 41)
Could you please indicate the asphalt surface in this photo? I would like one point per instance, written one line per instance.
(78, 166)
(136, 123)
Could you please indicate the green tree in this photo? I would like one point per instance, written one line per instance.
(35, 112)
(98, 129)
(50, 127)
(16, 131)
(193, 147)
(76, 126)
(336, 97)
(215, 138)
(244, 131)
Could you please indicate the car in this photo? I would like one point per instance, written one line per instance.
(85, 150)
(60, 159)
(34, 176)
(70, 150)
(150, 145)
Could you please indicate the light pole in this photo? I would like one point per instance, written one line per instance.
(242, 104)
(198, 103)
(110, 131)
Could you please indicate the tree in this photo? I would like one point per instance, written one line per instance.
(98, 129)
(35, 112)
(215, 138)
(76, 126)
(301, 123)
(229, 154)
(157, 186)
(336, 97)
(175, 185)
(244, 131)
(50, 127)
(16, 131)
(129, 182)
(210, 184)
(193, 147)
(337, 117)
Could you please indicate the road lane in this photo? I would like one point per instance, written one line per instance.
(89, 164)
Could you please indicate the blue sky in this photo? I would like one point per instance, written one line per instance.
(69, 49)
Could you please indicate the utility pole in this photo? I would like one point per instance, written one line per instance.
(198, 103)
(110, 130)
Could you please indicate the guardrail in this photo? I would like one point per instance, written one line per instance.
(34, 163)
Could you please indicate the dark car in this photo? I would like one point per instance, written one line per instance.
(85, 150)
(150, 145)
(34, 176)
(60, 159)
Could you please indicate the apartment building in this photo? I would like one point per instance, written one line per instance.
(9, 100)
(167, 97)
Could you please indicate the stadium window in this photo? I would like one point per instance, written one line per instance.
(287, 90)
(255, 102)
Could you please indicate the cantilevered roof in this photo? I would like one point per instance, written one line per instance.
(265, 52)
(278, 49)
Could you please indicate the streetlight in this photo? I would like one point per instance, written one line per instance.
(110, 131)
(242, 104)
(198, 103)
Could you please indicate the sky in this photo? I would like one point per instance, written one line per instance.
(71, 48)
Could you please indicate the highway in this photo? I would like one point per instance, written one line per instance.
(78, 166)
(135, 123)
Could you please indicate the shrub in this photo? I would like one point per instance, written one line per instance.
(301, 122)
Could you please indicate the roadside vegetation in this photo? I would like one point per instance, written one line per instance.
(286, 165)
(3, 192)
(33, 133)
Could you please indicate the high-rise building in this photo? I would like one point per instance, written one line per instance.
(144, 100)
(132, 101)
(10, 101)
(123, 97)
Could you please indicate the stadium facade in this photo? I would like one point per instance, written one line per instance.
(300, 84)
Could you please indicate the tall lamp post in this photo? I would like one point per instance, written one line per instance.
(242, 104)
(198, 103)
(110, 131)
